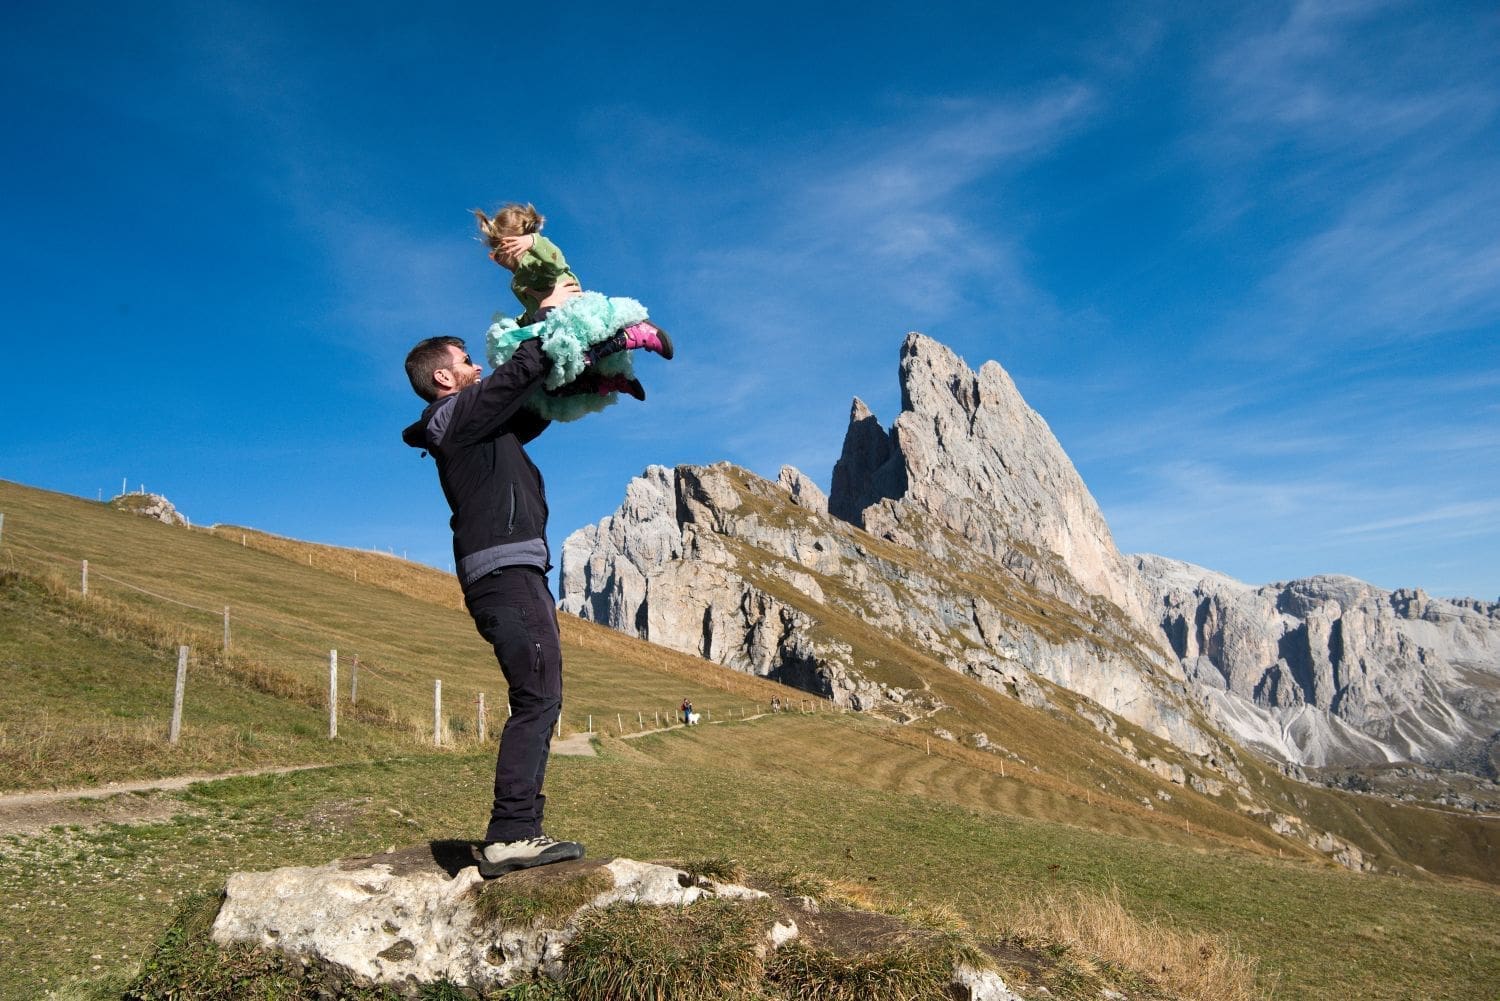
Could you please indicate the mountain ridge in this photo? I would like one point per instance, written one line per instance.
(971, 483)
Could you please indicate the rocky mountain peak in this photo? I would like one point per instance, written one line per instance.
(1330, 670)
(970, 454)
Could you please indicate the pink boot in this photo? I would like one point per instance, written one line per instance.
(638, 335)
(621, 384)
(649, 336)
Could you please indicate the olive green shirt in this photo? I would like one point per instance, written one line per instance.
(537, 273)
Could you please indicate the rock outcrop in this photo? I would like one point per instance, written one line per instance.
(407, 920)
(150, 506)
(411, 920)
(1333, 671)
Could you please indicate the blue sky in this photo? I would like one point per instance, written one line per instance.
(1245, 259)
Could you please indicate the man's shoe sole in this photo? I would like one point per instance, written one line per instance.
(563, 851)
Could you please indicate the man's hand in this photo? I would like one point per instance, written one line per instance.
(559, 293)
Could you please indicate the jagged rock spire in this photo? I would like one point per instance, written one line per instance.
(968, 452)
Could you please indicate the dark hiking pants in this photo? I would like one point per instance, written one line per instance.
(514, 611)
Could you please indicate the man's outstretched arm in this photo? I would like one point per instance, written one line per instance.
(498, 397)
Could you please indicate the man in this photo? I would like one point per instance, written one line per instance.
(475, 428)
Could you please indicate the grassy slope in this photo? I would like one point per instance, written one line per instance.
(790, 786)
(1319, 931)
(285, 617)
(1393, 836)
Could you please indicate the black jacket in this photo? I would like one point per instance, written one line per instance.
(496, 494)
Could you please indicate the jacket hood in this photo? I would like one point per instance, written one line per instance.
(415, 434)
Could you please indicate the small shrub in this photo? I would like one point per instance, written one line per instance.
(919, 968)
(704, 952)
(526, 897)
(718, 868)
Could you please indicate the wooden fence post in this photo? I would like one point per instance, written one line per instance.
(591, 722)
(333, 694)
(481, 717)
(2, 526)
(620, 723)
(226, 628)
(85, 578)
(182, 655)
(354, 683)
(437, 712)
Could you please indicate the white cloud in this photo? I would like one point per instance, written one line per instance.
(1365, 131)
(875, 225)
(1400, 261)
(1467, 514)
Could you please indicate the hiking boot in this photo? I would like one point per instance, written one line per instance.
(645, 335)
(649, 336)
(622, 384)
(501, 857)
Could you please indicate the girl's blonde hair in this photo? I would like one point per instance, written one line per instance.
(513, 219)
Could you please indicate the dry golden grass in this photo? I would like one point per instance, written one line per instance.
(1198, 966)
(366, 566)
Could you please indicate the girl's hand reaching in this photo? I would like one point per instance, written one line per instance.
(511, 248)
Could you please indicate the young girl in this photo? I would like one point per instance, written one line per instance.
(587, 335)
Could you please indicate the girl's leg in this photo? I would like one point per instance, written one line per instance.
(593, 383)
(645, 335)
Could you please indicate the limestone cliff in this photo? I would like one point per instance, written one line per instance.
(1330, 670)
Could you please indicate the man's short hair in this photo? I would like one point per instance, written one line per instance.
(425, 359)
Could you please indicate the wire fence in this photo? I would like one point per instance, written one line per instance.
(292, 644)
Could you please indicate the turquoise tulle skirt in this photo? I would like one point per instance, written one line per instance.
(566, 333)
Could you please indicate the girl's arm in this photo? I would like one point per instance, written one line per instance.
(542, 266)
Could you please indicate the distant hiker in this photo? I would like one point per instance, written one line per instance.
(775, 705)
(584, 333)
(476, 429)
(687, 711)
